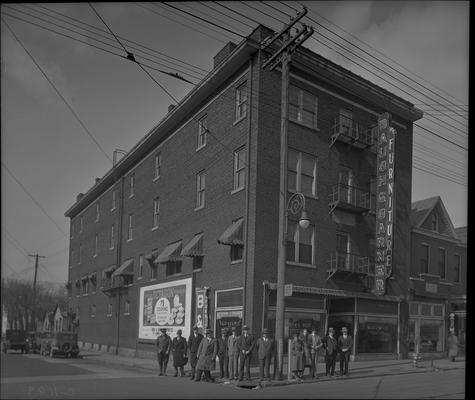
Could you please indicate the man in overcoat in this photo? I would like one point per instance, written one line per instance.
(246, 345)
(233, 354)
(163, 346)
(345, 343)
(305, 338)
(179, 353)
(193, 344)
(223, 354)
(207, 352)
(331, 347)
(265, 352)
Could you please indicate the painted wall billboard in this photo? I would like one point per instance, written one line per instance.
(165, 305)
(385, 203)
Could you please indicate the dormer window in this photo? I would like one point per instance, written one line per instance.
(435, 222)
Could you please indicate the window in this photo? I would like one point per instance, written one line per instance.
(300, 243)
(173, 267)
(346, 122)
(303, 107)
(153, 266)
(109, 310)
(197, 262)
(377, 334)
(80, 254)
(72, 230)
(93, 310)
(127, 307)
(140, 271)
(200, 190)
(93, 279)
(130, 227)
(131, 185)
(302, 173)
(442, 259)
(85, 285)
(112, 243)
(158, 164)
(80, 225)
(434, 222)
(128, 280)
(457, 268)
(425, 252)
(96, 245)
(236, 252)
(156, 212)
(241, 101)
(114, 193)
(202, 129)
(71, 258)
(97, 212)
(239, 169)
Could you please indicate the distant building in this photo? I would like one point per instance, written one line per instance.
(183, 230)
(56, 320)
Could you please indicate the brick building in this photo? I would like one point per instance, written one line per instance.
(438, 279)
(183, 229)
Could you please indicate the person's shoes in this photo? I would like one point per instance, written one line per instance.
(175, 375)
(160, 374)
(192, 378)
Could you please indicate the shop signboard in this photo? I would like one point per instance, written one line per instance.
(228, 320)
(165, 305)
(202, 308)
(385, 203)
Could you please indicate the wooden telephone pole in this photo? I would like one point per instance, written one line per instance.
(283, 55)
(37, 256)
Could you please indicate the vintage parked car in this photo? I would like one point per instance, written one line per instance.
(15, 339)
(61, 343)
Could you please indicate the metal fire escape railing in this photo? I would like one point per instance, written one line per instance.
(354, 133)
(349, 197)
(350, 263)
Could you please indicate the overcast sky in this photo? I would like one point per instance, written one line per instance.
(48, 157)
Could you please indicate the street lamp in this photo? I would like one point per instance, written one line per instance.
(295, 205)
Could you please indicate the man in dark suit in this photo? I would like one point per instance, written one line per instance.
(163, 345)
(223, 354)
(233, 354)
(246, 346)
(265, 352)
(345, 343)
(193, 344)
(331, 346)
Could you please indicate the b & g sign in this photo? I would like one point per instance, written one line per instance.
(385, 203)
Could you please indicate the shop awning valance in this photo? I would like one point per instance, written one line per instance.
(92, 277)
(233, 234)
(194, 248)
(127, 268)
(171, 253)
(109, 270)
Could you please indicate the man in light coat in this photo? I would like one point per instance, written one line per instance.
(207, 352)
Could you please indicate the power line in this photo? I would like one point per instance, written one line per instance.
(237, 12)
(441, 137)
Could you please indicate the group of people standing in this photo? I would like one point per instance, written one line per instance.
(234, 353)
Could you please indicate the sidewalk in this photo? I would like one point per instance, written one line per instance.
(357, 369)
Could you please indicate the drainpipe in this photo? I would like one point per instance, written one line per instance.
(119, 254)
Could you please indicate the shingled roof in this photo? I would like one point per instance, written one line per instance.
(422, 209)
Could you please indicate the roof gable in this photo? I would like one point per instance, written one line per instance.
(425, 211)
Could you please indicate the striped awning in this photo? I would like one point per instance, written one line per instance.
(171, 253)
(194, 248)
(127, 268)
(108, 270)
(233, 234)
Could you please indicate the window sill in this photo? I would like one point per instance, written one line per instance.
(446, 283)
(236, 262)
(126, 314)
(154, 228)
(306, 195)
(173, 275)
(200, 147)
(412, 278)
(240, 119)
(237, 190)
(111, 248)
(112, 209)
(94, 256)
(129, 240)
(139, 278)
(156, 178)
(304, 125)
(109, 315)
(132, 195)
(429, 275)
(297, 264)
(199, 208)
(198, 270)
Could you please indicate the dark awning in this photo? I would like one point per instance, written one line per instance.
(171, 253)
(194, 248)
(233, 234)
(109, 270)
(127, 268)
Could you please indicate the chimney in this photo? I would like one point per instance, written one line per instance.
(223, 53)
(79, 197)
(171, 107)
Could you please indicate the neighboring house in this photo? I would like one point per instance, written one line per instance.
(48, 321)
(56, 321)
(184, 229)
(438, 276)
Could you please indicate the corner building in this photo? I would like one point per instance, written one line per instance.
(183, 229)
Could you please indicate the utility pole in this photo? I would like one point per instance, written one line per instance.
(34, 288)
(283, 55)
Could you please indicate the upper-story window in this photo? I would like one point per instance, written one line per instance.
(434, 222)
(442, 262)
(127, 307)
(132, 185)
(156, 212)
(241, 101)
(457, 265)
(112, 243)
(140, 271)
(302, 172)
(202, 129)
(300, 243)
(425, 253)
(346, 121)
(173, 268)
(114, 194)
(239, 168)
(72, 230)
(130, 227)
(98, 214)
(71, 258)
(80, 253)
(96, 245)
(80, 224)
(200, 189)
(303, 107)
(157, 166)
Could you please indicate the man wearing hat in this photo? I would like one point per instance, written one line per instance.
(163, 346)
(330, 345)
(207, 352)
(179, 353)
(345, 343)
(315, 344)
(246, 346)
(222, 343)
(233, 354)
(193, 343)
(265, 352)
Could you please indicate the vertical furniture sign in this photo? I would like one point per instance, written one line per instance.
(385, 203)
(202, 309)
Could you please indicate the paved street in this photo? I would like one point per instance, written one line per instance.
(33, 376)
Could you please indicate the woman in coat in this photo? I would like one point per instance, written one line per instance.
(453, 345)
(296, 360)
(207, 352)
(179, 353)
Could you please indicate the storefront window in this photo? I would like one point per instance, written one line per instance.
(339, 321)
(296, 321)
(377, 334)
(431, 334)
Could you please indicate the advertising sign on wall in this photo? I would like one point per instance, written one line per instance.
(228, 320)
(165, 305)
(385, 203)
(202, 308)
